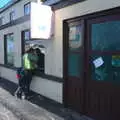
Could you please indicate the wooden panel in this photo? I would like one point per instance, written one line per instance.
(103, 103)
(75, 94)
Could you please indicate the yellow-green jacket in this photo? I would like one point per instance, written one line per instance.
(29, 61)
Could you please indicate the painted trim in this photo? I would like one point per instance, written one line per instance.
(8, 66)
(15, 22)
(38, 74)
(49, 77)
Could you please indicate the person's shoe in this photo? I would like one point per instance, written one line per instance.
(23, 97)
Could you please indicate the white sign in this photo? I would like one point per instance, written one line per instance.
(41, 21)
(98, 62)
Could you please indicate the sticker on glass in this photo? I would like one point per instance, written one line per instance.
(98, 62)
(116, 60)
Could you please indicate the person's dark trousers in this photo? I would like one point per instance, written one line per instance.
(28, 80)
(22, 83)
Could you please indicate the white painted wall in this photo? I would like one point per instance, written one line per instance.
(16, 30)
(18, 8)
(47, 88)
(8, 74)
(50, 89)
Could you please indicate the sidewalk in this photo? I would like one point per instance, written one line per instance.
(37, 108)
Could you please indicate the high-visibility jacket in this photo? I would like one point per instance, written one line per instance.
(27, 62)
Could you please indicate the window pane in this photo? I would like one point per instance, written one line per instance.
(106, 67)
(75, 41)
(27, 35)
(106, 36)
(10, 49)
(27, 9)
(74, 64)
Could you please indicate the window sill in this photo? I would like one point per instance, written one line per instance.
(8, 66)
(38, 74)
(49, 77)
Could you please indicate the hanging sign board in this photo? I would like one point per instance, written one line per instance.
(41, 21)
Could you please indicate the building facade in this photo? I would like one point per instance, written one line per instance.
(81, 65)
(15, 30)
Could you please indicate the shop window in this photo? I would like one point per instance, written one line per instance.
(27, 9)
(105, 50)
(9, 49)
(27, 43)
(12, 15)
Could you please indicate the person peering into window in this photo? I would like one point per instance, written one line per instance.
(40, 62)
(29, 64)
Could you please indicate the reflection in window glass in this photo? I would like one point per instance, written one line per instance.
(9, 49)
(26, 38)
(27, 35)
(106, 36)
(27, 9)
(75, 40)
(107, 69)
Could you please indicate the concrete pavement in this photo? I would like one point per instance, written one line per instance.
(37, 108)
(23, 109)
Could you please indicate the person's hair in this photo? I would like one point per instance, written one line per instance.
(38, 51)
(30, 50)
